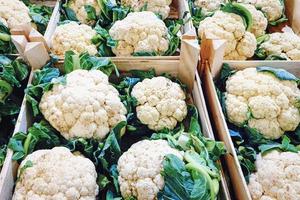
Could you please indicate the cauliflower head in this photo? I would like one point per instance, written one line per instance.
(260, 22)
(161, 103)
(87, 106)
(139, 32)
(286, 45)
(56, 174)
(161, 7)
(3, 21)
(79, 7)
(240, 44)
(14, 12)
(209, 5)
(139, 169)
(273, 9)
(277, 176)
(262, 101)
(75, 37)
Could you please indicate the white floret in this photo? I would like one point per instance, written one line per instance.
(139, 32)
(56, 174)
(140, 169)
(75, 37)
(260, 22)
(161, 103)
(271, 102)
(240, 44)
(209, 5)
(14, 12)
(283, 44)
(160, 7)
(87, 106)
(273, 9)
(78, 6)
(277, 176)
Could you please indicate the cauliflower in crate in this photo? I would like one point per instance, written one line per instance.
(87, 106)
(85, 11)
(272, 9)
(160, 103)
(160, 7)
(56, 174)
(277, 176)
(240, 43)
(75, 37)
(279, 46)
(14, 12)
(265, 99)
(139, 32)
(140, 168)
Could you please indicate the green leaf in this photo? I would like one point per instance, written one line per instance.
(91, 12)
(145, 53)
(279, 73)
(102, 181)
(5, 90)
(40, 15)
(21, 69)
(3, 149)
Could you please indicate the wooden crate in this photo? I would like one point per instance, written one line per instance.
(184, 68)
(178, 9)
(210, 71)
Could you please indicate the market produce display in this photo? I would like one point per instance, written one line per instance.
(92, 110)
(258, 17)
(13, 76)
(262, 110)
(118, 29)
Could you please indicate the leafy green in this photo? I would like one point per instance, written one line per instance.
(85, 61)
(6, 45)
(40, 15)
(197, 176)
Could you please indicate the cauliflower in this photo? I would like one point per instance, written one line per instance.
(14, 12)
(160, 7)
(260, 22)
(87, 106)
(240, 45)
(75, 37)
(79, 7)
(285, 45)
(262, 101)
(139, 32)
(277, 176)
(273, 9)
(209, 5)
(139, 169)
(161, 103)
(56, 174)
